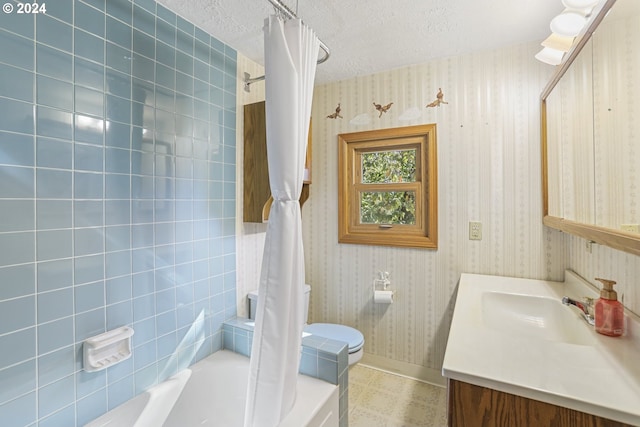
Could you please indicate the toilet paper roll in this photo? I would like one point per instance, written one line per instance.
(383, 297)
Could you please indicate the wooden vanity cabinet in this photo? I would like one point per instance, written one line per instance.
(474, 406)
(257, 193)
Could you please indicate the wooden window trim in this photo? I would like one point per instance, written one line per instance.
(422, 235)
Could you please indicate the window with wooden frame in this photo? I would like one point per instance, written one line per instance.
(387, 187)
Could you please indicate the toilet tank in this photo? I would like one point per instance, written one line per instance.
(253, 303)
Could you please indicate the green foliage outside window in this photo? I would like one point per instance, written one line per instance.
(389, 166)
(388, 207)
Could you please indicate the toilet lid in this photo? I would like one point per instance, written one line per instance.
(343, 333)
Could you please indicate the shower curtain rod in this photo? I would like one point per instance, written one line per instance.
(282, 8)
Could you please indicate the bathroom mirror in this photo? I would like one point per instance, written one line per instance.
(591, 133)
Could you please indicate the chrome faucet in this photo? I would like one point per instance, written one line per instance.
(586, 307)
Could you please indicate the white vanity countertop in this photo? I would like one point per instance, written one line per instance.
(599, 375)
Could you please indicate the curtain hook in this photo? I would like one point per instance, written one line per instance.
(279, 14)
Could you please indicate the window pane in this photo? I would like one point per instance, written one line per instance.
(380, 167)
(388, 207)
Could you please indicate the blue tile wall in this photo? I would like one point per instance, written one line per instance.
(117, 202)
(320, 357)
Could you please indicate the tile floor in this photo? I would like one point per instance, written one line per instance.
(382, 399)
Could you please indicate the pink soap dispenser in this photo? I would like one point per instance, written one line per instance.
(609, 312)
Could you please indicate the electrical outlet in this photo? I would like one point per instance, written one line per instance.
(633, 228)
(475, 230)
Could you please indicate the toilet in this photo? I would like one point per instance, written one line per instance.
(351, 336)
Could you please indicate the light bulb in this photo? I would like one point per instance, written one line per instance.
(579, 4)
(568, 24)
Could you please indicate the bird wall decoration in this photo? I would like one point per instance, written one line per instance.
(439, 99)
(336, 114)
(382, 108)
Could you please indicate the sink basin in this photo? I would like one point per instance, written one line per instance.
(514, 335)
(535, 317)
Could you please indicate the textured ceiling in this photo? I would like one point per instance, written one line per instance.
(366, 37)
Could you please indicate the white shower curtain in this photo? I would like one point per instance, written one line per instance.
(291, 52)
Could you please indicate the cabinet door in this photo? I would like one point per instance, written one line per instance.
(257, 193)
(256, 170)
(474, 406)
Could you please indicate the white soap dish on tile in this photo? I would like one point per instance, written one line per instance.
(107, 349)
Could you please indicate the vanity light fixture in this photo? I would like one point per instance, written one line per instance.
(568, 24)
(579, 4)
(564, 29)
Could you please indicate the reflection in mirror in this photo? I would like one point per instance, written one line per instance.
(570, 140)
(591, 129)
(616, 101)
(554, 153)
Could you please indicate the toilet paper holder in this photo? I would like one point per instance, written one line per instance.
(381, 289)
(382, 282)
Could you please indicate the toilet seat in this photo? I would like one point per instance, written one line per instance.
(351, 336)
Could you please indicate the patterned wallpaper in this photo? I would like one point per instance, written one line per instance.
(592, 122)
(489, 171)
(616, 97)
(607, 263)
(608, 135)
(570, 142)
(615, 155)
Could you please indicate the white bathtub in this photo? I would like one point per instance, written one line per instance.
(212, 393)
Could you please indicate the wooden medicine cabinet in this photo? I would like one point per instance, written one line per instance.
(257, 193)
(589, 131)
